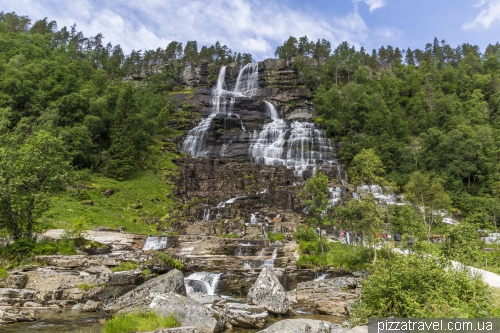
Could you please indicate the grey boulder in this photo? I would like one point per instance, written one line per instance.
(268, 293)
(189, 312)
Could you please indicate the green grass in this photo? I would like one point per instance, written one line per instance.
(138, 204)
(275, 237)
(139, 322)
(3, 273)
(232, 235)
(125, 266)
(85, 286)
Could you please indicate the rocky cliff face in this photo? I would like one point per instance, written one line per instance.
(252, 150)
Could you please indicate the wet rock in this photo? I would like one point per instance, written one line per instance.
(78, 307)
(141, 297)
(91, 306)
(268, 293)
(191, 313)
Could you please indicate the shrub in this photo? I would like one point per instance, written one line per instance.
(233, 235)
(305, 234)
(85, 286)
(125, 266)
(421, 286)
(166, 257)
(3, 273)
(139, 322)
(275, 237)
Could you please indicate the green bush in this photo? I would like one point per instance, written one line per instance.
(22, 249)
(139, 322)
(3, 273)
(275, 237)
(305, 234)
(421, 286)
(125, 266)
(166, 257)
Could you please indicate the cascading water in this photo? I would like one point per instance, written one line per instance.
(298, 145)
(203, 282)
(222, 103)
(270, 262)
(155, 243)
(335, 195)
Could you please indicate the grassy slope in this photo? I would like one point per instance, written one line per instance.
(140, 204)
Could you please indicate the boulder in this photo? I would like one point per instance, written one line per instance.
(190, 313)
(268, 292)
(243, 315)
(91, 306)
(329, 296)
(141, 297)
(133, 277)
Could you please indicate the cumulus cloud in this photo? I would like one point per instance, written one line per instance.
(489, 14)
(253, 26)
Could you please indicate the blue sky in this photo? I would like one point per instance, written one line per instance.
(258, 26)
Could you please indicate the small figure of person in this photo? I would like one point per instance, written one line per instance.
(317, 230)
(397, 240)
(342, 236)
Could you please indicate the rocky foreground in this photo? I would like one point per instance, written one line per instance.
(87, 283)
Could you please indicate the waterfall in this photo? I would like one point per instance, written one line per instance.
(206, 214)
(270, 262)
(155, 243)
(203, 282)
(335, 195)
(298, 145)
(254, 219)
(320, 277)
(222, 102)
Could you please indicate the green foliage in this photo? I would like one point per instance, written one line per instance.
(272, 237)
(125, 266)
(340, 256)
(305, 234)
(3, 273)
(167, 259)
(85, 286)
(77, 229)
(367, 168)
(231, 235)
(422, 286)
(21, 250)
(139, 322)
(30, 170)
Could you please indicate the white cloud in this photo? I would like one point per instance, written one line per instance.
(253, 26)
(373, 4)
(487, 15)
